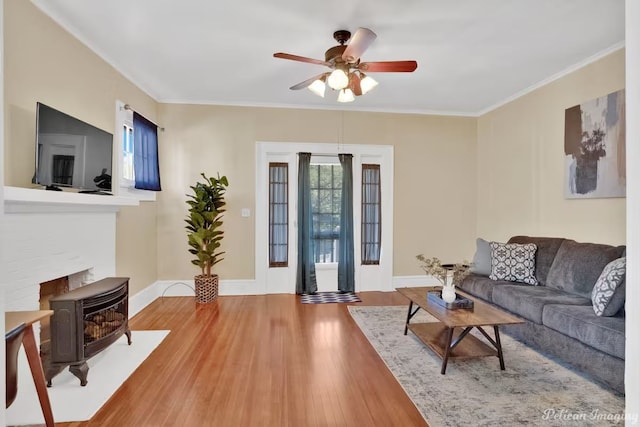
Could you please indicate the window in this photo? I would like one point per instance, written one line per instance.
(278, 214)
(138, 169)
(127, 154)
(145, 154)
(326, 192)
(371, 214)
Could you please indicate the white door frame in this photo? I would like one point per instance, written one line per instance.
(282, 279)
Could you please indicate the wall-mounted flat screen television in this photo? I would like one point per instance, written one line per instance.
(71, 153)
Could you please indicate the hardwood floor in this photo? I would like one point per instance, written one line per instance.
(264, 360)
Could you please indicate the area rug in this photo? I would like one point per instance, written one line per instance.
(329, 297)
(71, 402)
(533, 390)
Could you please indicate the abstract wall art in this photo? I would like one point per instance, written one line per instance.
(594, 148)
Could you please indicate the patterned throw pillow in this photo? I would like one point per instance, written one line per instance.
(608, 293)
(514, 262)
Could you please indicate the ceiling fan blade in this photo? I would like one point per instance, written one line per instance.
(360, 41)
(354, 84)
(389, 66)
(300, 58)
(307, 82)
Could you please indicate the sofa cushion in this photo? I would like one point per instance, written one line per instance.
(513, 262)
(528, 301)
(482, 259)
(577, 266)
(580, 322)
(547, 249)
(608, 293)
(480, 286)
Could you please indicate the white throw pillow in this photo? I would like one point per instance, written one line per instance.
(608, 293)
(513, 262)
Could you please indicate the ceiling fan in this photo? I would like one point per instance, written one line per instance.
(348, 75)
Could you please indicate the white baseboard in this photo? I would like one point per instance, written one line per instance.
(185, 288)
(413, 281)
(175, 288)
(142, 299)
(240, 287)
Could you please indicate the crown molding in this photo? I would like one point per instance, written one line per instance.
(557, 76)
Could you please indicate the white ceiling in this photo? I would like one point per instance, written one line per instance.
(472, 55)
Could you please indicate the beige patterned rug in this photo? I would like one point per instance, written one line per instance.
(533, 390)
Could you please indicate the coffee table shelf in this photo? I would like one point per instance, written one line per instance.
(434, 336)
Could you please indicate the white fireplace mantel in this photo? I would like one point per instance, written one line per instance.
(32, 200)
(52, 234)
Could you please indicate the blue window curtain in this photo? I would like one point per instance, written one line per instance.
(346, 267)
(145, 154)
(306, 273)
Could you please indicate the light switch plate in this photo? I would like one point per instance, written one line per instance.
(246, 212)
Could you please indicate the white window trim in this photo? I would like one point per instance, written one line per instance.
(125, 187)
(368, 277)
(128, 123)
(326, 265)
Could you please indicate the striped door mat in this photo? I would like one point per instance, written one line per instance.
(329, 297)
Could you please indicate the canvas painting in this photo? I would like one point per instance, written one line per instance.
(594, 148)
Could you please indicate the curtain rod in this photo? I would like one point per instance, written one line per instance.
(324, 154)
(130, 108)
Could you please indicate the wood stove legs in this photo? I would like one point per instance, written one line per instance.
(51, 371)
(80, 370)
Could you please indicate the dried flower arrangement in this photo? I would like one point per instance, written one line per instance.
(433, 267)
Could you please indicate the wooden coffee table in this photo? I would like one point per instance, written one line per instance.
(449, 337)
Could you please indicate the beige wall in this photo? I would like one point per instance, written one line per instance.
(45, 63)
(521, 163)
(435, 156)
(434, 177)
(455, 178)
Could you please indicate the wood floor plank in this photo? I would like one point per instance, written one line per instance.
(264, 360)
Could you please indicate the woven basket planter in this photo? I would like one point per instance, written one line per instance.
(206, 288)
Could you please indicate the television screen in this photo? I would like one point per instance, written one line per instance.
(71, 153)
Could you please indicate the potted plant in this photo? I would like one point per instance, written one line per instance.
(206, 205)
(447, 274)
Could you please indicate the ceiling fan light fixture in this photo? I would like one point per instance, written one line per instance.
(338, 79)
(346, 95)
(347, 69)
(367, 83)
(318, 87)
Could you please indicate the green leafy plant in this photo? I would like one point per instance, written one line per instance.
(206, 206)
(433, 267)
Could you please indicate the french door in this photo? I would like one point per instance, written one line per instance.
(280, 277)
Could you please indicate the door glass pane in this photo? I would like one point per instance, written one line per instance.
(278, 215)
(371, 214)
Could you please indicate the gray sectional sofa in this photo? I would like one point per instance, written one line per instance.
(560, 317)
